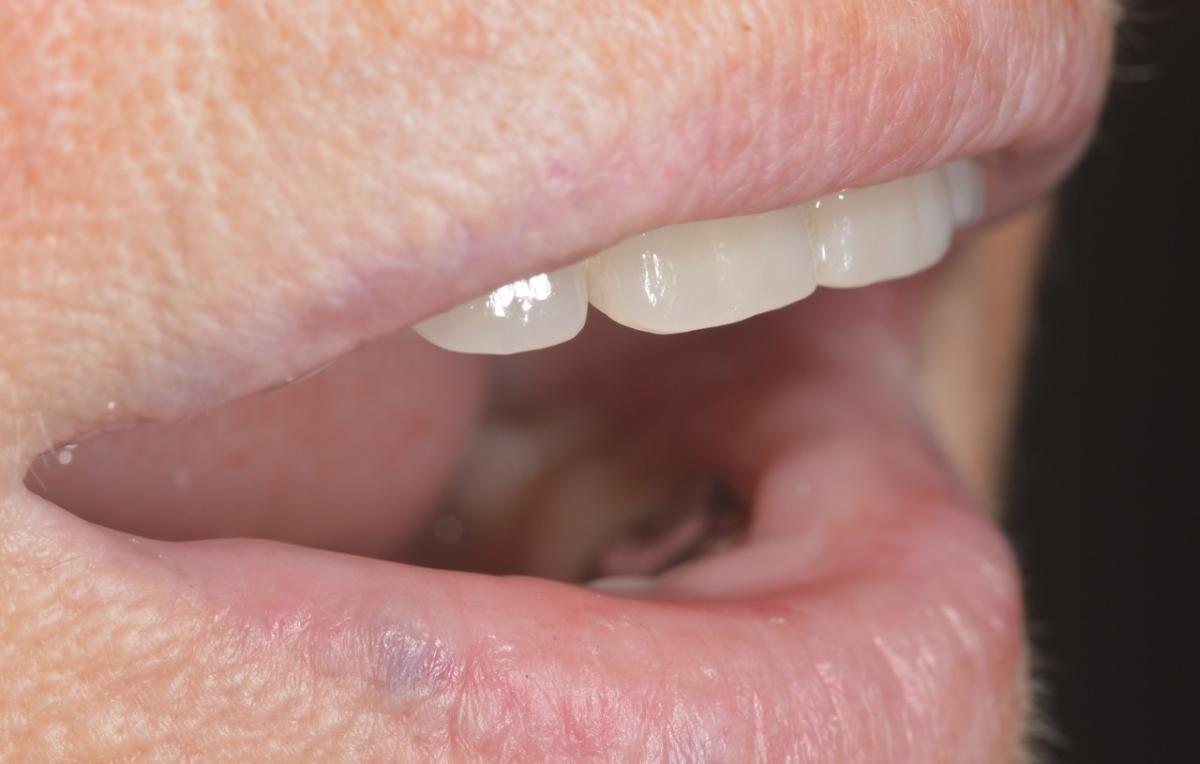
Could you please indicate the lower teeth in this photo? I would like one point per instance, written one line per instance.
(701, 518)
(602, 537)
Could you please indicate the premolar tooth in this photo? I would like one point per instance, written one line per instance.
(528, 314)
(965, 180)
(696, 275)
(865, 235)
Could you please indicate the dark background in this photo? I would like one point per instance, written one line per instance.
(1103, 488)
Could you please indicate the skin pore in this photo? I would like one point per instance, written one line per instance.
(200, 203)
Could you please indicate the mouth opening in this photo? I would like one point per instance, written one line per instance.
(617, 459)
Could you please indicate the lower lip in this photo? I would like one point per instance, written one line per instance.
(872, 614)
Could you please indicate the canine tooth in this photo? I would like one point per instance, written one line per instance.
(865, 235)
(528, 314)
(965, 180)
(696, 275)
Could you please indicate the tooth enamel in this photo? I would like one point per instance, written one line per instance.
(696, 275)
(865, 235)
(713, 272)
(965, 180)
(528, 314)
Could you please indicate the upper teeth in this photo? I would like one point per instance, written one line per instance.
(712, 272)
(528, 314)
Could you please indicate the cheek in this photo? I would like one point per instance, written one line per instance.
(971, 342)
(378, 431)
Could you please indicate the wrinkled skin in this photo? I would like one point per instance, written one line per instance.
(201, 201)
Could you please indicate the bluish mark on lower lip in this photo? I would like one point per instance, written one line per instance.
(408, 662)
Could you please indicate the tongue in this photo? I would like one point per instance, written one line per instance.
(870, 615)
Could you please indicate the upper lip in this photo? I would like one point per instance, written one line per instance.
(528, 142)
(752, 113)
(762, 112)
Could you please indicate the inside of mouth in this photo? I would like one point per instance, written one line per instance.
(528, 502)
(612, 456)
(617, 457)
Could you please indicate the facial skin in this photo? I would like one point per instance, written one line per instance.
(198, 203)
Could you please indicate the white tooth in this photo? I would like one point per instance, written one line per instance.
(865, 235)
(696, 275)
(528, 314)
(935, 216)
(964, 177)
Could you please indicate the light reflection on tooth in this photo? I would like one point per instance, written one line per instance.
(697, 275)
(531, 313)
(865, 235)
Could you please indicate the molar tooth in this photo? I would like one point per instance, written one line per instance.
(965, 180)
(865, 235)
(702, 274)
(528, 314)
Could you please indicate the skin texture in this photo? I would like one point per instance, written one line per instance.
(200, 201)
